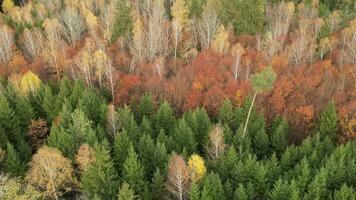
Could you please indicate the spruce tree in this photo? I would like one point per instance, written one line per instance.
(146, 127)
(261, 143)
(122, 143)
(280, 190)
(123, 21)
(126, 193)
(345, 193)
(146, 107)
(226, 114)
(212, 188)
(133, 172)
(24, 111)
(164, 118)
(48, 105)
(81, 128)
(194, 193)
(201, 130)
(92, 106)
(12, 163)
(328, 122)
(279, 137)
(63, 141)
(65, 90)
(184, 138)
(146, 150)
(158, 185)
(240, 193)
(100, 180)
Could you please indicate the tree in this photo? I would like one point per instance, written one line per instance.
(279, 137)
(220, 43)
(51, 172)
(72, 23)
(30, 83)
(194, 193)
(261, 82)
(164, 118)
(112, 121)
(208, 24)
(328, 122)
(179, 12)
(345, 193)
(146, 107)
(237, 51)
(84, 156)
(280, 190)
(216, 145)
(158, 186)
(240, 193)
(32, 43)
(80, 128)
(178, 177)
(122, 21)
(37, 133)
(196, 167)
(184, 138)
(126, 192)
(12, 163)
(106, 186)
(133, 172)
(212, 188)
(122, 144)
(6, 42)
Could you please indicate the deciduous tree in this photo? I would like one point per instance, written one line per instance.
(178, 177)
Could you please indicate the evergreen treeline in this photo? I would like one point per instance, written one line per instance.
(65, 142)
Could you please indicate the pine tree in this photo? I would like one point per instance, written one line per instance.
(212, 188)
(133, 172)
(261, 143)
(48, 105)
(24, 112)
(65, 90)
(92, 106)
(100, 180)
(12, 163)
(280, 190)
(126, 193)
(77, 93)
(146, 150)
(184, 138)
(62, 140)
(328, 122)
(227, 115)
(80, 128)
(202, 127)
(123, 20)
(164, 118)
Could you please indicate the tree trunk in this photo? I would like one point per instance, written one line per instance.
(247, 119)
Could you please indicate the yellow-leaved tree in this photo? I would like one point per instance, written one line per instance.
(196, 167)
(7, 5)
(29, 83)
(221, 43)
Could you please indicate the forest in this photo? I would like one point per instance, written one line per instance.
(178, 99)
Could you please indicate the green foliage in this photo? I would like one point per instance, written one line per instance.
(345, 193)
(240, 193)
(264, 80)
(246, 17)
(158, 185)
(126, 193)
(194, 193)
(195, 7)
(164, 118)
(122, 143)
(146, 107)
(123, 20)
(212, 188)
(184, 138)
(328, 122)
(13, 164)
(279, 137)
(100, 180)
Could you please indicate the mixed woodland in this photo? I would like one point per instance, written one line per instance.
(178, 99)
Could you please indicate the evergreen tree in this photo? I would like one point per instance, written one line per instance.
(133, 172)
(63, 141)
(146, 127)
(164, 118)
(201, 130)
(212, 188)
(123, 20)
(146, 150)
(99, 181)
(24, 111)
(279, 137)
(80, 128)
(77, 92)
(294, 191)
(227, 115)
(126, 193)
(65, 90)
(184, 138)
(195, 8)
(158, 187)
(345, 193)
(127, 121)
(228, 190)
(261, 143)
(122, 143)
(246, 17)
(280, 190)
(92, 106)
(48, 105)
(328, 122)
(12, 163)
(146, 107)
(318, 187)
(194, 193)
(240, 193)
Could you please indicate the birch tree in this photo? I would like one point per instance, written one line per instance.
(208, 24)
(216, 145)
(178, 177)
(32, 43)
(73, 24)
(6, 43)
(237, 51)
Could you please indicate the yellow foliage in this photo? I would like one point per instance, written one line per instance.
(7, 5)
(84, 157)
(196, 167)
(180, 13)
(221, 43)
(29, 83)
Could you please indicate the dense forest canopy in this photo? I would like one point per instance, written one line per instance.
(178, 99)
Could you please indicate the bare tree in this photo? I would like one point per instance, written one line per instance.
(112, 121)
(216, 144)
(178, 177)
(349, 44)
(110, 79)
(6, 43)
(107, 17)
(208, 24)
(32, 43)
(73, 24)
(237, 51)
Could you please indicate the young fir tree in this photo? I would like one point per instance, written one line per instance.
(133, 172)
(164, 118)
(146, 127)
(146, 107)
(63, 141)
(126, 192)
(184, 138)
(65, 90)
(24, 111)
(345, 193)
(146, 151)
(127, 121)
(91, 104)
(194, 192)
(227, 115)
(279, 137)
(158, 187)
(77, 92)
(12, 163)
(48, 105)
(212, 188)
(240, 193)
(100, 180)
(328, 122)
(203, 125)
(122, 143)
(80, 128)
(123, 21)
(280, 190)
